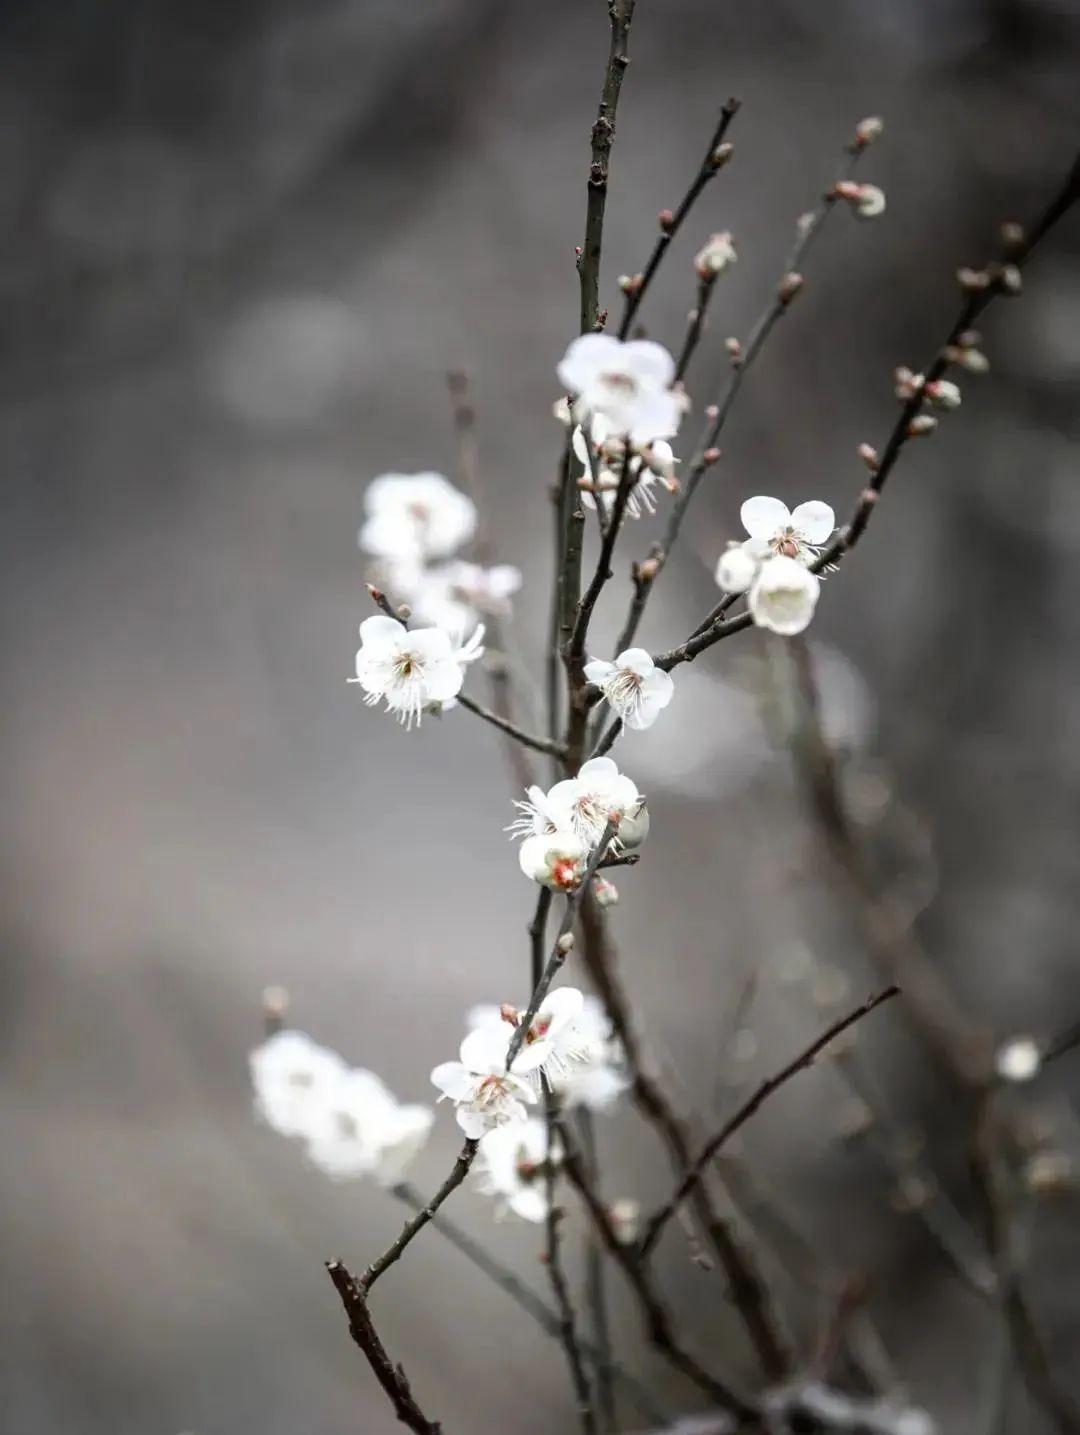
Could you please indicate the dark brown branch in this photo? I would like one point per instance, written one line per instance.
(656, 1318)
(538, 935)
(561, 949)
(527, 739)
(767, 1088)
(526, 1298)
(748, 1290)
(714, 160)
(706, 453)
(596, 1288)
(576, 646)
(607, 739)
(621, 13)
(565, 1306)
(382, 602)
(421, 1219)
(391, 1377)
(695, 325)
(994, 280)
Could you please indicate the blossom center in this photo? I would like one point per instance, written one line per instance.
(564, 872)
(787, 544)
(620, 381)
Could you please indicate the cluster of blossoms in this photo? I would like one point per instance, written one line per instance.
(414, 526)
(772, 566)
(562, 827)
(568, 1045)
(351, 1124)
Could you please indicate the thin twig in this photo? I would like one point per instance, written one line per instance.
(657, 1320)
(607, 738)
(706, 452)
(714, 160)
(391, 1377)
(553, 1252)
(749, 1292)
(580, 632)
(695, 324)
(422, 1218)
(525, 1297)
(697, 1167)
(621, 13)
(527, 739)
(596, 1287)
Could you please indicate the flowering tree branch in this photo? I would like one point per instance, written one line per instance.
(391, 1377)
(620, 13)
(716, 156)
(413, 1228)
(697, 1167)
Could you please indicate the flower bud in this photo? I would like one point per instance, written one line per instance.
(634, 827)
(605, 892)
(631, 283)
(869, 455)
(921, 424)
(565, 943)
(1013, 239)
(868, 130)
(906, 384)
(972, 281)
(734, 348)
(736, 569)
(625, 1217)
(666, 220)
(715, 255)
(721, 154)
(711, 456)
(789, 287)
(943, 394)
(973, 360)
(1018, 1060)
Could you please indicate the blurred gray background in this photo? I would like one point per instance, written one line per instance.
(240, 245)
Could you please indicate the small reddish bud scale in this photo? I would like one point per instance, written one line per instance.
(666, 220)
(711, 455)
(789, 287)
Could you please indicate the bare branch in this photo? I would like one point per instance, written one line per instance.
(527, 739)
(621, 13)
(553, 1250)
(421, 1219)
(767, 1088)
(391, 1377)
(715, 159)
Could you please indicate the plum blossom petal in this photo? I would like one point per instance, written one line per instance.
(762, 516)
(784, 596)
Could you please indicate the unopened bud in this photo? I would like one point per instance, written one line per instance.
(1049, 1171)
(721, 154)
(275, 1003)
(972, 281)
(625, 1217)
(943, 394)
(711, 411)
(921, 424)
(973, 360)
(666, 220)
(734, 348)
(647, 569)
(715, 255)
(1008, 279)
(565, 943)
(711, 456)
(869, 455)
(1013, 238)
(509, 1013)
(906, 384)
(868, 130)
(789, 287)
(376, 594)
(631, 283)
(605, 892)
(404, 612)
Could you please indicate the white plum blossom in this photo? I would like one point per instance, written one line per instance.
(415, 516)
(581, 1060)
(800, 535)
(599, 794)
(412, 670)
(555, 859)
(654, 464)
(716, 255)
(783, 596)
(636, 689)
(485, 1093)
(362, 1130)
(512, 1164)
(625, 1217)
(452, 595)
(293, 1078)
(628, 384)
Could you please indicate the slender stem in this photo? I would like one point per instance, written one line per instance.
(749, 1292)
(390, 1376)
(527, 739)
(421, 1219)
(713, 161)
(524, 1296)
(621, 13)
(538, 935)
(695, 324)
(607, 739)
(553, 1250)
(576, 647)
(705, 452)
(656, 1318)
(559, 952)
(697, 1167)
(595, 1287)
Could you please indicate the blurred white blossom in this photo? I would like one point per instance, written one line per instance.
(628, 384)
(512, 1165)
(293, 1078)
(415, 516)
